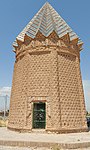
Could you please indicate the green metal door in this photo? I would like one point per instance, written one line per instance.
(39, 115)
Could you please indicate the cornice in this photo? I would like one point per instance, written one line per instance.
(41, 43)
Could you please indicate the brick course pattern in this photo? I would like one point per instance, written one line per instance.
(50, 71)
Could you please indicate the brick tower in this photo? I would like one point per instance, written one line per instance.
(47, 90)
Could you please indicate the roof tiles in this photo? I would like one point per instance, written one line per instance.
(46, 21)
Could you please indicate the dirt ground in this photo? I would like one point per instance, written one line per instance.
(34, 148)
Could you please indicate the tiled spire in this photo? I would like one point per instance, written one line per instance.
(46, 21)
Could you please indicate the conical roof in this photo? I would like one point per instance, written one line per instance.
(46, 21)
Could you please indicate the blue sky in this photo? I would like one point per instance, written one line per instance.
(14, 15)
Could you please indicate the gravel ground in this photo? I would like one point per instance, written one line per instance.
(20, 148)
(34, 148)
(7, 135)
(11, 136)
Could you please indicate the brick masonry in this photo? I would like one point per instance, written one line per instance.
(48, 69)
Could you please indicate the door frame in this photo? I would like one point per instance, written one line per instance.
(33, 113)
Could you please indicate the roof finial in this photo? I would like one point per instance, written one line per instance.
(46, 3)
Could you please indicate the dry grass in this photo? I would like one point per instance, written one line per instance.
(3, 123)
(56, 148)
